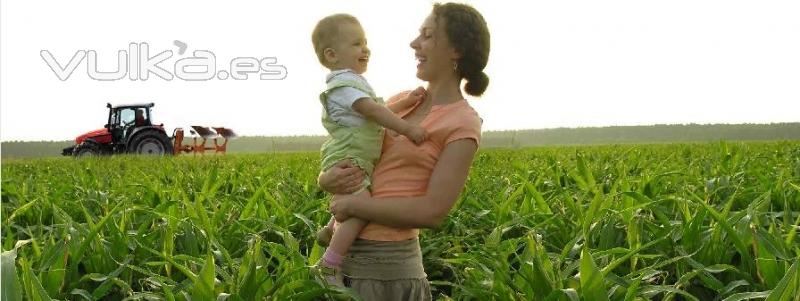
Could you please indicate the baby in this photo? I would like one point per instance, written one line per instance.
(355, 119)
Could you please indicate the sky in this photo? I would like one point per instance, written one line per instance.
(552, 63)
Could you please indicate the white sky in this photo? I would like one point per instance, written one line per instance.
(553, 63)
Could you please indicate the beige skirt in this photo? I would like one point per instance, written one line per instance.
(386, 270)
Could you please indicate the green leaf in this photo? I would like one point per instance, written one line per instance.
(82, 293)
(541, 205)
(740, 246)
(633, 289)
(12, 291)
(33, 290)
(571, 294)
(586, 174)
(747, 296)
(592, 283)
(652, 290)
(91, 236)
(537, 270)
(789, 285)
(611, 266)
(204, 288)
(766, 262)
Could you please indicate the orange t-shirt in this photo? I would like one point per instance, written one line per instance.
(404, 168)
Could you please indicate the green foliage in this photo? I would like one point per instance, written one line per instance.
(637, 222)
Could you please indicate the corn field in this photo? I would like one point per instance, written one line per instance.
(710, 221)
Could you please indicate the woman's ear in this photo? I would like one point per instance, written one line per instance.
(455, 57)
(454, 54)
(330, 55)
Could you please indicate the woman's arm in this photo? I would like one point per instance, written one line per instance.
(428, 211)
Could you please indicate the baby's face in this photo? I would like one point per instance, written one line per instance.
(351, 50)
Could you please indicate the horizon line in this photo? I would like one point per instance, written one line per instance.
(495, 131)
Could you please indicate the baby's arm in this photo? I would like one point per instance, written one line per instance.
(383, 116)
(407, 101)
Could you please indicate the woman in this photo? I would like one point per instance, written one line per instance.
(416, 186)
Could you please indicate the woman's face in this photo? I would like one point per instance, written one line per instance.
(433, 51)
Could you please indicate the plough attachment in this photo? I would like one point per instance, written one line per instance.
(200, 135)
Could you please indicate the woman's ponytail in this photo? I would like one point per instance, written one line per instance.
(476, 83)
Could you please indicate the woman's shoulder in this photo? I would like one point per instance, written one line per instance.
(462, 113)
(456, 121)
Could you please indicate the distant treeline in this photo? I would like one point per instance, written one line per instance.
(660, 133)
(520, 138)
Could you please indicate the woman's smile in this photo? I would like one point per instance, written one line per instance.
(421, 59)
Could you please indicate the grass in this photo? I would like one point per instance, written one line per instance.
(713, 221)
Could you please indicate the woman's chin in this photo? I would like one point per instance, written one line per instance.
(421, 74)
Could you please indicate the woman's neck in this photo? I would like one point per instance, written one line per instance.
(444, 91)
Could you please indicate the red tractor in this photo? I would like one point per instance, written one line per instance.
(129, 130)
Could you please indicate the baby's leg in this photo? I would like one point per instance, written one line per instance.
(346, 234)
(343, 237)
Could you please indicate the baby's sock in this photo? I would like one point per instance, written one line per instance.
(331, 259)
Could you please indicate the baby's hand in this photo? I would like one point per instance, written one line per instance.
(418, 94)
(417, 134)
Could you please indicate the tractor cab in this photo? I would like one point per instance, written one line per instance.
(124, 120)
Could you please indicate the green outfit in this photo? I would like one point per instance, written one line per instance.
(361, 144)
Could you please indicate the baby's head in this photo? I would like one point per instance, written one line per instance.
(340, 43)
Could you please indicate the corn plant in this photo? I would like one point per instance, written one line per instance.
(706, 221)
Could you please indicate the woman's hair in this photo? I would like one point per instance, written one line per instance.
(326, 33)
(467, 31)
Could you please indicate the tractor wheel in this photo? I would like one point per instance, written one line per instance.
(150, 143)
(87, 149)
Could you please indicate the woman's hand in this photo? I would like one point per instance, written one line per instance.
(342, 178)
(342, 204)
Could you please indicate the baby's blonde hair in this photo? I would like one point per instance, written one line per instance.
(326, 33)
